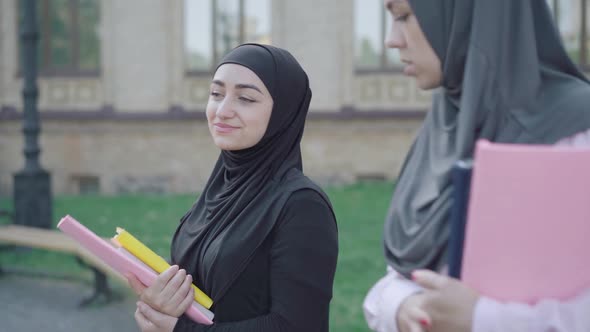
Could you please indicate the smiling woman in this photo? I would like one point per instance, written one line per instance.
(261, 240)
(239, 107)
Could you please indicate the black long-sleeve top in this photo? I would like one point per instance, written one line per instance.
(287, 286)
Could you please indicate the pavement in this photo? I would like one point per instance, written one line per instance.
(31, 304)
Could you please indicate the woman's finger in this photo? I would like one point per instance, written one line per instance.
(163, 279)
(429, 279)
(154, 317)
(186, 302)
(417, 315)
(173, 286)
(142, 322)
(174, 306)
(153, 294)
(137, 286)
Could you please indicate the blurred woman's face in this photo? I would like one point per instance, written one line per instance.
(415, 51)
(239, 108)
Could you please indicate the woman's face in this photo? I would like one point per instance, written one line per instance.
(239, 108)
(415, 51)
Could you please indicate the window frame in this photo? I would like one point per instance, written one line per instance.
(45, 69)
(214, 42)
(384, 65)
(584, 61)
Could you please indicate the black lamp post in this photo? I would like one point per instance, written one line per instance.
(32, 185)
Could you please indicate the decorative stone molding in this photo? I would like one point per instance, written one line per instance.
(388, 91)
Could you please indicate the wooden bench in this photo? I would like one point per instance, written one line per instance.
(55, 240)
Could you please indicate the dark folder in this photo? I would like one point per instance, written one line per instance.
(461, 177)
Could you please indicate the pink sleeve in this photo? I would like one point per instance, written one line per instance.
(545, 316)
(581, 139)
(383, 300)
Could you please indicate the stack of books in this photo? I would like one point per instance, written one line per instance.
(127, 255)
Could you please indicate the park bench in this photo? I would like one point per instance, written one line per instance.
(54, 240)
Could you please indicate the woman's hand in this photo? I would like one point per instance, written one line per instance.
(448, 302)
(150, 320)
(170, 294)
(411, 317)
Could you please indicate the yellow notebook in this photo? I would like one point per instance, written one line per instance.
(153, 260)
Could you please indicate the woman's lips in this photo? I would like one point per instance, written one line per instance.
(410, 68)
(224, 128)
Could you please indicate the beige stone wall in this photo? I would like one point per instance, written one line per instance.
(137, 61)
(336, 152)
(323, 45)
(57, 93)
(177, 156)
(388, 92)
(140, 46)
(126, 156)
(142, 61)
(142, 73)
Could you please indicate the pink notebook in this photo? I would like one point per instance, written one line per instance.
(528, 223)
(123, 262)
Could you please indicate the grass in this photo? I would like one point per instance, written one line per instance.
(360, 211)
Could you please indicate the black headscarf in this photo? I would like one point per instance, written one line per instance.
(506, 78)
(248, 188)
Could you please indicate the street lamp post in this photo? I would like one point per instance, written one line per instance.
(32, 185)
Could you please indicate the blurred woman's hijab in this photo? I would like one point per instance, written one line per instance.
(506, 78)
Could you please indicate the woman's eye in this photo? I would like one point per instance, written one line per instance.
(248, 100)
(401, 18)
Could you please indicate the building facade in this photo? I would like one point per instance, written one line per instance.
(124, 84)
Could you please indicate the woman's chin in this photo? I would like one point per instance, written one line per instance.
(229, 145)
(427, 83)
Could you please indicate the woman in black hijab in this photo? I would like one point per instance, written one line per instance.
(503, 75)
(261, 240)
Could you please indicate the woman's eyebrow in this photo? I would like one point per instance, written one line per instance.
(238, 86)
(248, 86)
(218, 82)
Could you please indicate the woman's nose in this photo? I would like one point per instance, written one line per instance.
(225, 110)
(395, 37)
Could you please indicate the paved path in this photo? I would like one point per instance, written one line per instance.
(34, 304)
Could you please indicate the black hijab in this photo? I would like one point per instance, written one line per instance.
(506, 78)
(247, 189)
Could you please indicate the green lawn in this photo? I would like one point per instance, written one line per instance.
(360, 210)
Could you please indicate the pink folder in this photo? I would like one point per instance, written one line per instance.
(123, 262)
(528, 223)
